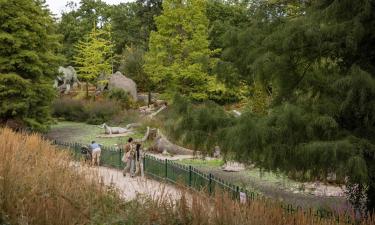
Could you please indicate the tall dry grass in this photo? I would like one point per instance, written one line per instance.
(40, 185)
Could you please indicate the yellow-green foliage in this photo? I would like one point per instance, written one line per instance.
(94, 55)
(179, 55)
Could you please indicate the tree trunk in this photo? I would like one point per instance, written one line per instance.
(87, 89)
(149, 98)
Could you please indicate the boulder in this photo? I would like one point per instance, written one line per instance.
(117, 80)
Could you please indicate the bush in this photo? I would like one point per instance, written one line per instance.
(85, 111)
(120, 96)
(101, 112)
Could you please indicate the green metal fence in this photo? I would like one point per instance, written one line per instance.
(186, 175)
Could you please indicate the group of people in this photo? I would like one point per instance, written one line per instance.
(132, 157)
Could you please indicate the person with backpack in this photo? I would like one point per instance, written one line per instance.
(95, 153)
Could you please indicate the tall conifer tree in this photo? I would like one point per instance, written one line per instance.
(179, 54)
(94, 56)
(28, 62)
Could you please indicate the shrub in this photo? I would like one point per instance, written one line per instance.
(93, 112)
(70, 109)
(101, 112)
(120, 96)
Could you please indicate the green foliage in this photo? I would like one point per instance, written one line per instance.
(132, 62)
(76, 23)
(316, 60)
(94, 55)
(28, 61)
(179, 55)
(86, 111)
(197, 126)
(133, 22)
(120, 96)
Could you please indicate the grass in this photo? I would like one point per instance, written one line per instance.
(38, 185)
(215, 163)
(85, 133)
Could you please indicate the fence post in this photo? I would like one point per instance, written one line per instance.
(166, 168)
(120, 151)
(144, 163)
(190, 175)
(210, 183)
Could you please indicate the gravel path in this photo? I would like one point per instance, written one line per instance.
(130, 187)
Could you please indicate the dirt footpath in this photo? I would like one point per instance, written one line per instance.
(130, 187)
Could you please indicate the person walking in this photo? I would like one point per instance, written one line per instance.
(95, 153)
(129, 158)
(138, 160)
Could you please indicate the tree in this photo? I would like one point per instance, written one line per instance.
(315, 58)
(132, 62)
(94, 56)
(179, 54)
(28, 62)
(76, 23)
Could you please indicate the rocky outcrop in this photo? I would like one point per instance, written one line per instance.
(117, 80)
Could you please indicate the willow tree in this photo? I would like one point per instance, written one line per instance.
(94, 56)
(179, 56)
(28, 62)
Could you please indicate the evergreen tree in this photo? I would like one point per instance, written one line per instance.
(28, 62)
(316, 60)
(179, 54)
(94, 56)
(77, 23)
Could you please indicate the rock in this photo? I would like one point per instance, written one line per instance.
(117, 80)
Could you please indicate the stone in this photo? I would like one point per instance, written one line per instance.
(117, 80)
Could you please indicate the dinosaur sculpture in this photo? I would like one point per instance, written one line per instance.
(115, 130)
(68, 79)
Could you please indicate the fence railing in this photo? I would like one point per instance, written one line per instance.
(187, 175)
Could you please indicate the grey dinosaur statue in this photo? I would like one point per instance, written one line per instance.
(114, 130)
(68, 79)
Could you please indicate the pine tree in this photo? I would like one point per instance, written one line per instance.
(28, 62)
(179, 54)
(94, 56)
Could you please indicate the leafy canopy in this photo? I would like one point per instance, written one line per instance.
(94, 55)
(179, 54)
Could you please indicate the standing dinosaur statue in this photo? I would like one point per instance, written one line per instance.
(69, 78)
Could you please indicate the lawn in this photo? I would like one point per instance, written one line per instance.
(85, 133)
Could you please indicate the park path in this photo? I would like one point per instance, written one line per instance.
(131, 187)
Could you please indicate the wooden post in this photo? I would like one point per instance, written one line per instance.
(166, 168)
(210, 183)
